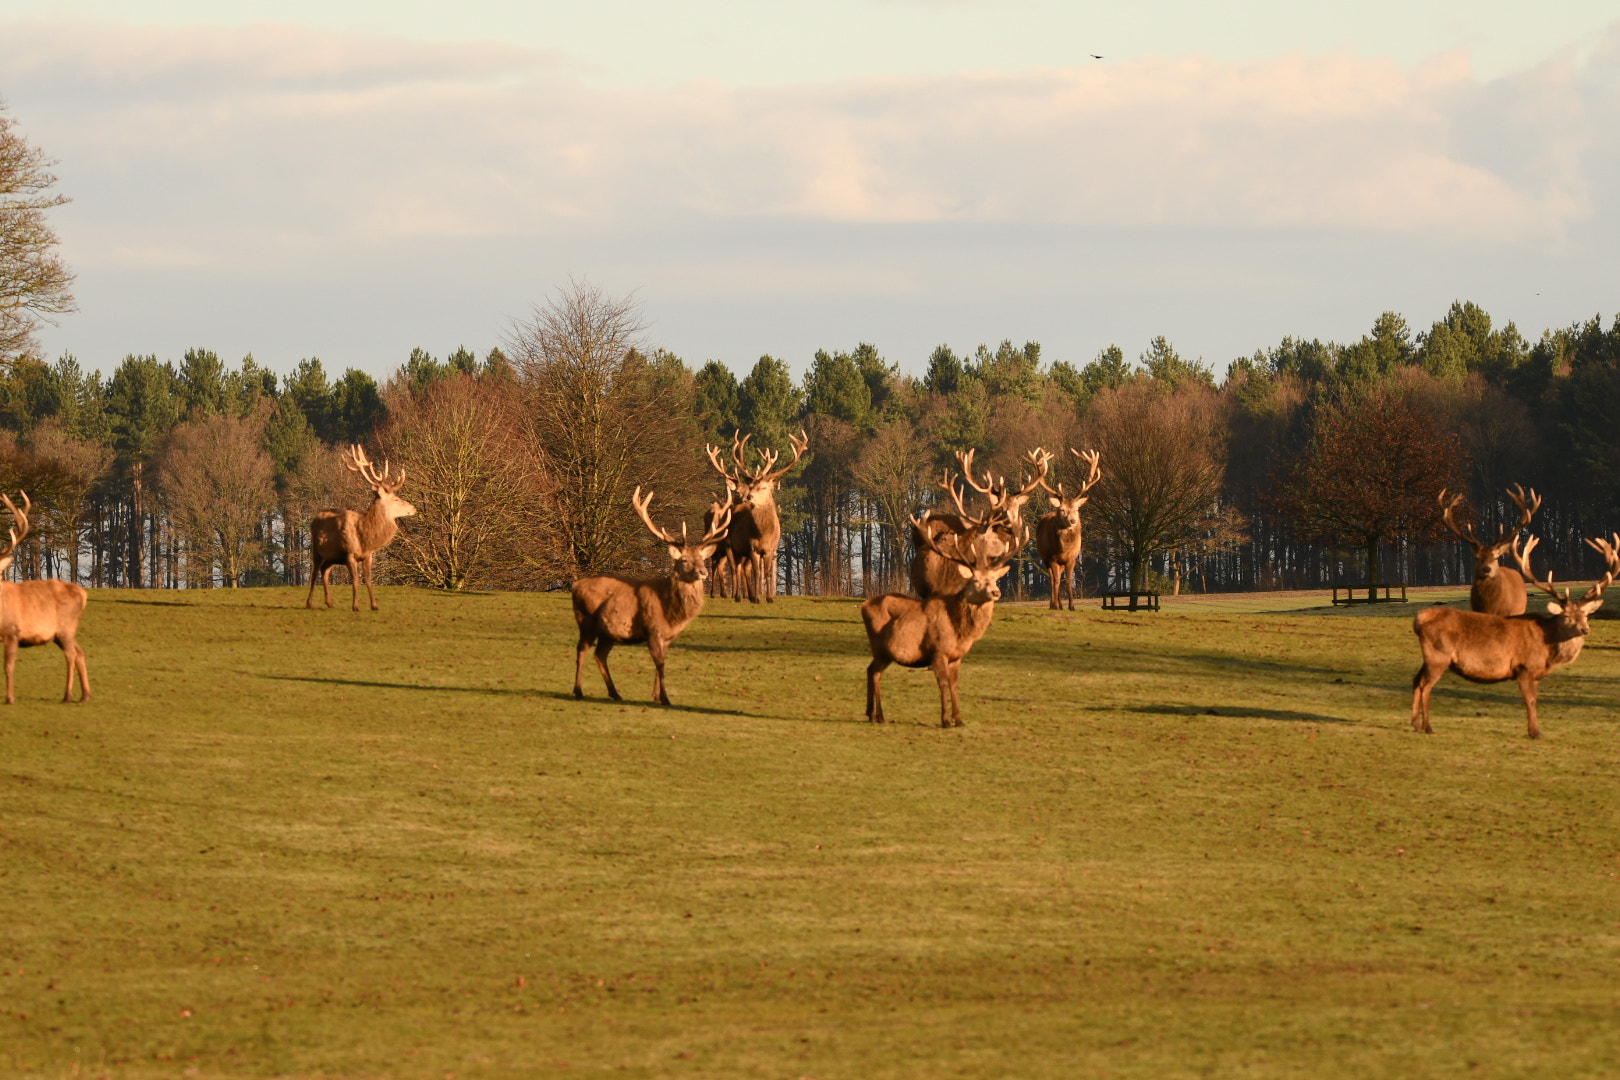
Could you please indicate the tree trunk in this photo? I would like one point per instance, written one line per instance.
(1372, 568)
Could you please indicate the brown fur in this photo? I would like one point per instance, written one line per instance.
(1497, 589)
(756, 528)
(933, 574)
(1487, 648)
(612, 610)
(935, 633)
(34, 612)
(1057, 535)
(351, 538)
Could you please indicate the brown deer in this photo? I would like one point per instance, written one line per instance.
(936, 633)
(1494, 648)
(1057, 535)
(34, 612)
(935, 575)
(351, 537)
(613, 610)
(756, 531)
(1497, 590)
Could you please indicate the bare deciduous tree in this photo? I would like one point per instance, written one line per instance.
(603, 418)
(33, 279)
(474, 482)
(1166, 457)
(892, 470)
(218, 483)
(77, 465)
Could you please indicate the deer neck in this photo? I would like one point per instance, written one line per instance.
(683, 602)
(970, 618)
(376, 528)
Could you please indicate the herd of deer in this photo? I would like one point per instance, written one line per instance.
(958, 562)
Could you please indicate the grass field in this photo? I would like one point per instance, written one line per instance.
(1203, 842)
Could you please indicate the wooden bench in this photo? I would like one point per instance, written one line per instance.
(1142, 601)
(1350, 596)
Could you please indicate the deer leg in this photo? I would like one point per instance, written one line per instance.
(604, 647)
(369, 593)
(68, 648)
(1068, 583)
(767, 573)
(1527, 687)
(1422, 683)
(956, 707)
(314, 573)
(84, 672)
(579, 666)
(874, 692)
(11, 665)
(659, 649)
(947, 691)
(354, 582)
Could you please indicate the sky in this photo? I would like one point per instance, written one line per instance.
(352, 180)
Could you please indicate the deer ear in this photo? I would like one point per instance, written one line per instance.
(1055, 501)
(676, 551)
(1592, 605)
(706, 552)
(1554, 608)
(960, 569)
(1001, 572)
(5, 564)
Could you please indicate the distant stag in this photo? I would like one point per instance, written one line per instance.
(933, 574)
(34, 612)
(1498, 590)
(756, 528)
(613, 610)
(1494, 648)
(1057, 536)
(351, 537)
(937, 633)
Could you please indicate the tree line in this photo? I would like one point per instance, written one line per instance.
(1309, 463)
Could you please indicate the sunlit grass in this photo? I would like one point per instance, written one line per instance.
(1198, 842)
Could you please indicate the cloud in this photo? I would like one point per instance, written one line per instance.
(273, 137)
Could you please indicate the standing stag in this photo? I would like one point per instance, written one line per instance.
(613, 610)
(1057, 536)
(756, 530)
(34, 612)
(937, 633)
(351, 537)
(934, 574)
(1498, 590)
(1494, 648)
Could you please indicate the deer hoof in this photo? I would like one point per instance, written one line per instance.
(579, 693)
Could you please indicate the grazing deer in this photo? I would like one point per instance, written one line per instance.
(352, 537)
(756, 529)
(1494, 648)
(613, 610)
(34, 612)
(1057, 535)
(936, 633)
(1498, 590)
(934, 575)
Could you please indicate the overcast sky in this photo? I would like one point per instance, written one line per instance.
(350, 180)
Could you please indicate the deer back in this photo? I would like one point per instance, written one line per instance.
(35, 612)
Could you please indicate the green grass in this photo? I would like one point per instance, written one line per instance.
(1198, 843)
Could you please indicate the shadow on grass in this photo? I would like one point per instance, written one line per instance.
(144, 603)
(1234, 712)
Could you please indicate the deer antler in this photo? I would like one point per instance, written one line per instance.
(21, 518)
(714, 459)
(1527, 508)
(1041, 461)
(1610, 550)
(1523, 559)
(965, 542)
(964, 461)
(717, 528)
(356, 460)
(1091, 458)
(1447, 508)
(949, 485)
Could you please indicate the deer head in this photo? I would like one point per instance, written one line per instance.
(995, 489)
(1069, 505)
(18, 531)
(385, 491)
(691, 560)
(1573, 614)
(1488, 556)
(980, 569)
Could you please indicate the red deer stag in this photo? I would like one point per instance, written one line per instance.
(613, 610)
(351, 537)
(1498, 590)
(933, 575)
(34, 612)
(936, 633)
(1057, 536)
(1494, 648)
(756, 532)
